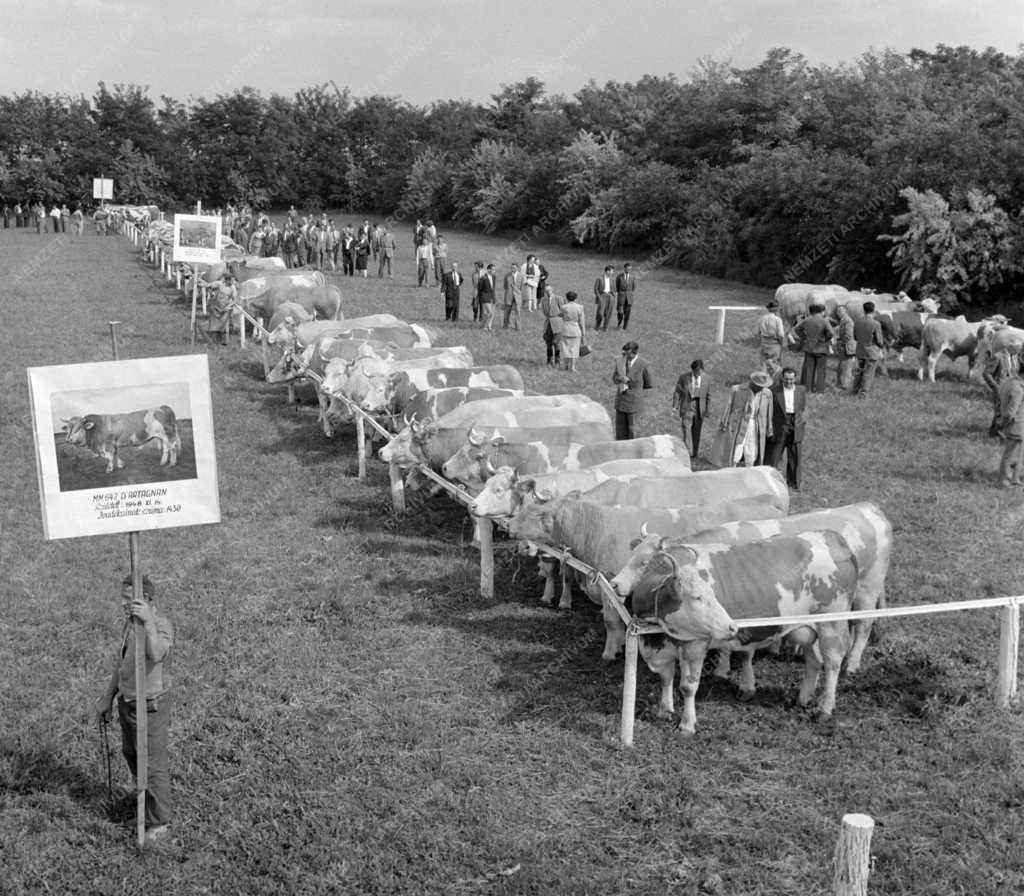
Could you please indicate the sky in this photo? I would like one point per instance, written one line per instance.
(453, 49)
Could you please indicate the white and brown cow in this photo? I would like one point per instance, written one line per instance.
(103, 434)
(786, 575)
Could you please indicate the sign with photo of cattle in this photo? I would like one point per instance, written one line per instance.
(123, 446)
(197, 239)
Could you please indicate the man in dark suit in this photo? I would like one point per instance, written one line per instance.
(625, 289)
(631, 377)
(451, 287)
(485, 297)
(692, 398)
(789, 409)
(604, 287)
(814, 334)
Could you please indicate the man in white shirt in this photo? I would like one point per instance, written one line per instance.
(604, 292)
(789, 414)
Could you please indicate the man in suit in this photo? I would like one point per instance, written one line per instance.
(451, 287)
(1011, 427)
(631, 377)
(513, 292)
(789, 406)
(485, 297)
(692, 398)
(604, 287)
(815, 334)
(870, 348)
(386, 251)
(625, 289)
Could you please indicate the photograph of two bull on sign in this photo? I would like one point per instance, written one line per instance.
(123, 446)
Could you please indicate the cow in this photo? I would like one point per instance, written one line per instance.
(288, 313)
(475, 464)
(564, 419)
(256, 286)
(405, 385)
(866, 529)
(708, 486)
(998, 338)
(506, 492)
(599, 535)
(956, 337)
(103, 434)
(786, 575)
(432, 404)
(364, 380)
(323, 302)
(297, 335)
(795, 298)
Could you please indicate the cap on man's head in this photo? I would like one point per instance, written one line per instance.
(631, 347)
(697, 365)
(761, 379)
(772, 305)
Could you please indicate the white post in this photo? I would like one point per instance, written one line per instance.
(241, 331)
(263, 349)
(177, 277)
(629, 688)
(397, 488)
(486, 530)
(853, 856)
(1009, 647)
(720, 332)
(361, 444)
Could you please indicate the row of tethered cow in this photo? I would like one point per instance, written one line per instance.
(692, 551)
(907, 324)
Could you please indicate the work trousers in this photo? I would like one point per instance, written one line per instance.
(158, 776)
(604, 311)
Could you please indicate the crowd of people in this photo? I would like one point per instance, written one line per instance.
(34, 215)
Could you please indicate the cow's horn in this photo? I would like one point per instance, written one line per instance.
(643, 530)
(475, 439)
(491, 470)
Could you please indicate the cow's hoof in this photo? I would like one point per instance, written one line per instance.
(686, 732)
(747, 696)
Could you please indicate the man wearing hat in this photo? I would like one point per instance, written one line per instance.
(631, 377)
(746, 425)
(771, 333)
(692, 398)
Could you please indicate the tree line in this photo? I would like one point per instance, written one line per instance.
(893, 171)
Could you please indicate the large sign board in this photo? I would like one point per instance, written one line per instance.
(197, 239)
(102, 188)
(123, 446)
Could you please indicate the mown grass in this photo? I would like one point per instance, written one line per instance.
(352, 718)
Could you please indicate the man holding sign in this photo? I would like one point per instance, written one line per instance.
(159, 636)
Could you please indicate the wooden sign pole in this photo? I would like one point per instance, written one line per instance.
(195, 289)
(141, 719)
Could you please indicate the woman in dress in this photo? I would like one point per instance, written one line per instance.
(362, 254)
(551, 308)
(574, 330)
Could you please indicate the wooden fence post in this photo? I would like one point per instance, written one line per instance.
(1009, 648)
(361, 444)
(486, 533)
(853, 856)
(397, 488)
(720, 330)
(629, 688)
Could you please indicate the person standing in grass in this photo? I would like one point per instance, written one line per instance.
(814, 335)
(574, 330)
(789, 405)
(159, 635)
(604, 288)
(513, 292)
(631, 378)
(451, 289)
(846, 348)
(625, 291)
(746, 425)
(999, 366)
(692, 399)
(424, 261)
(386, 250)
(478, 272)
(1011, 427)
(870, 346)
(221, 304)
(531, 279)
(485, 298)
(554, 326)
(771, 335)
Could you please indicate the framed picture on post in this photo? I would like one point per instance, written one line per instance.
(123, 446)
(197, 239)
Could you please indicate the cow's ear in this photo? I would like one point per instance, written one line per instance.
(498, 441)
(574, 495)
(635, 543)
(89, 424)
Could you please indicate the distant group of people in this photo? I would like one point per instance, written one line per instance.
(59, 218)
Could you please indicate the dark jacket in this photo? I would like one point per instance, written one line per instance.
(779, 413)
(631, 401)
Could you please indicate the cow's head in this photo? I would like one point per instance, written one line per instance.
(679, 594)
(497, 499)
(75, 429)
(644, 549)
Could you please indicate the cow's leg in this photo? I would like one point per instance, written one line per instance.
(614, 633)
(723, 665)
(748, 683)
(691, 661)
(659, 653)
(808, 639)
(325, 419)
(165, 450)
(565, 601)
(862, 634)
(833, 641)
(546, 569)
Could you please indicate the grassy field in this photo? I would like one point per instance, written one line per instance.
(352, 718)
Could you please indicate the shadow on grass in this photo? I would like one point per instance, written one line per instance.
(39, 771)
